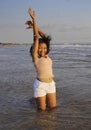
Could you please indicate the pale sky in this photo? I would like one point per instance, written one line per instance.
(67, 21)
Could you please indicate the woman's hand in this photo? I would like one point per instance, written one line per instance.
(30, 24)
(31, 13)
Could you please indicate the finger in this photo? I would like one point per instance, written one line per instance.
(30, 11)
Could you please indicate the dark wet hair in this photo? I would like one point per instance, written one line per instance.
(31, 48)
(45, 40)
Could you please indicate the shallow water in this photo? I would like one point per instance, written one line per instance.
(72, 70)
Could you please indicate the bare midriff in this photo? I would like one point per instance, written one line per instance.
(46, 80)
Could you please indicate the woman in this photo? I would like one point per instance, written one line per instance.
(44, 85)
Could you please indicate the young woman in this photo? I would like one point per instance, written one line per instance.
(44, 85)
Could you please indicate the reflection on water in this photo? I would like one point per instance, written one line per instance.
(72, 69)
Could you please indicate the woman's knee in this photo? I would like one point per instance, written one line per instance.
(51, 100)
(41, 103)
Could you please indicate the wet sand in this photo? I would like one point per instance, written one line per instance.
(72, 69)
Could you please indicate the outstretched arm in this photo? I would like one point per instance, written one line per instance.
(35, 35)
(30, 25)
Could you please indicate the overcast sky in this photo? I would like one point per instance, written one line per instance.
(65, 20)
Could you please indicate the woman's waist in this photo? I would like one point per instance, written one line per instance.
(46, 80)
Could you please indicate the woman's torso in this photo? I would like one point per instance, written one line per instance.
(44, 69)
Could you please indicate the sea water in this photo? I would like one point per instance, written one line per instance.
(72, 70)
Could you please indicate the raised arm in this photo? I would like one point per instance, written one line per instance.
(35, 35)
(30, 25)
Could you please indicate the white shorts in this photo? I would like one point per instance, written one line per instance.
(42, 88)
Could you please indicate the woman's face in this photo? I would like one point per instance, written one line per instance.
(42, 50)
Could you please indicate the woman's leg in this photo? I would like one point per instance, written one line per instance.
(41, 103)
(51, 100)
